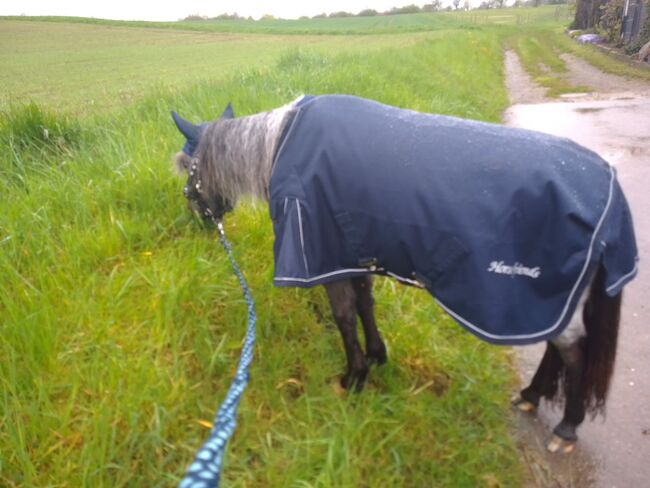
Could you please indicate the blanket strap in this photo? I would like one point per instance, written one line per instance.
(205, 471)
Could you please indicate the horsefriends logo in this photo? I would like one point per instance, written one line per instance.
(516, 269)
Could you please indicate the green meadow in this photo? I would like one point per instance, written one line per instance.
(381, 24)
(85, 68)
(120, 319)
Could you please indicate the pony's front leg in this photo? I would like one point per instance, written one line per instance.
(343, 299)
(375, 347)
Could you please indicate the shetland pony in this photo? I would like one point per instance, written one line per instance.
(232, 157)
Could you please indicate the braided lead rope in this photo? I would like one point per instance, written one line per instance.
(205, 471)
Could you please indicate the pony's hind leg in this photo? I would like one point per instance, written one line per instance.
(564, 433)
(375, 347)
(570, 345)
(561, 371)
(343, 299)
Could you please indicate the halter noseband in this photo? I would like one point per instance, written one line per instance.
(193, 193)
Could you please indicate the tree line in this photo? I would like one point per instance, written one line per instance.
(434, 6)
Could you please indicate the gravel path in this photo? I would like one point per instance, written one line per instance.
(521, 87)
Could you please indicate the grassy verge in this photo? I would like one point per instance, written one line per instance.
(121, 321)
(598, 58)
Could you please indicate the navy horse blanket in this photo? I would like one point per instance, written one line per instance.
(503, 227)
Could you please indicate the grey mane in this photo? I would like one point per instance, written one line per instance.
(236, 155)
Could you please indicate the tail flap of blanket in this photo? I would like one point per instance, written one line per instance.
(620, 256)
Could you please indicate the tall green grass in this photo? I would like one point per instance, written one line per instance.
(30, 127)
(121, 322)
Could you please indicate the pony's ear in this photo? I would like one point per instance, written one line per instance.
(191, 132)
(187, 128)
(228, 113)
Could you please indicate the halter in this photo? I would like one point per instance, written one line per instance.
(193, 193)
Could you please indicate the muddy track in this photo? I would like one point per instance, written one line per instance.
(522, 88)
(520, 85)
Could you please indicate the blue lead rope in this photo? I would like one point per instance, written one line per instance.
(205, 471)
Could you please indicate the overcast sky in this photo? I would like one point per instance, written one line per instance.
(168, 10)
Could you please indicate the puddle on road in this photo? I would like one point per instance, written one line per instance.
(617, 129)
(586, 110)
(612, 128)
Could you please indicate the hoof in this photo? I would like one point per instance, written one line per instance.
(354, 383)
(557, 444)
(376, 353)
(376, 359)
(522, 405)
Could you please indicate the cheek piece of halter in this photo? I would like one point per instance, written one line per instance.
(193, 193)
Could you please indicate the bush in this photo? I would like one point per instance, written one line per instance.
(194, 18)
(611, 20)
(407, 9)
(368, 12)
(341, 14)
(632, 48)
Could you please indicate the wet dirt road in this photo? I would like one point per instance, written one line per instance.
(615, 122)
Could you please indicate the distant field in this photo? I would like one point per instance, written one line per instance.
(349, 25)
(88, 66)
(83, 68)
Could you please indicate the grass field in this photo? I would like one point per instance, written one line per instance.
(344, 26)
(120, 320)
(96, 68)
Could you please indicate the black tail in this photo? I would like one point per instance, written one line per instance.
(601, 316)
